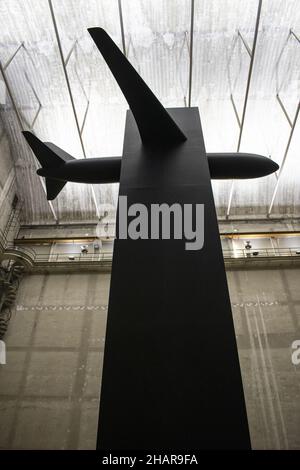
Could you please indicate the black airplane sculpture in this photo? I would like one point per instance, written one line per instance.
(171, 376)
(58, 166)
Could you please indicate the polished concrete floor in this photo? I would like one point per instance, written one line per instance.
(49, 388)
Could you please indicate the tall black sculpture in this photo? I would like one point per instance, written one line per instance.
(171, 376)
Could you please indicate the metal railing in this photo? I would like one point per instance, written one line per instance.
(83, 258)
(12, 226)
(30, 252)
(33, 258)
(261, 253)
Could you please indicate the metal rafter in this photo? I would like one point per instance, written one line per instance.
(19, 119)
(185, 43)
(122, 26)
(252, 55)
(279, 86)
(232, 85)
(284, 159)
(63, 61)
(13, 56)
(292, 125)
(295, 35)
(5, 66)
(70, 53)
(245, 44)
(284, 110)
(38, 100)
(235, 110)
(191, 50)
(87, 97)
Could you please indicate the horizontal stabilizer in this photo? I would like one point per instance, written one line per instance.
(66, 157)
(48, 154)
(155, 124)
(53, 187)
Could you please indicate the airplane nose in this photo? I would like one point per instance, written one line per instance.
(273, 166)
(40, 172)
(266, 165)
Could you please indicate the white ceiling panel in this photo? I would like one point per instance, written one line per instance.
(157, 39)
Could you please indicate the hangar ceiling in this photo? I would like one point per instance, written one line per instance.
(237, 60)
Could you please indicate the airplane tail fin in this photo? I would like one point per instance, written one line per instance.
(49, 156)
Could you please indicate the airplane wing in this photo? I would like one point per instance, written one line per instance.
(155, 124)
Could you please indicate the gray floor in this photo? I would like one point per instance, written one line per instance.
(49, 388)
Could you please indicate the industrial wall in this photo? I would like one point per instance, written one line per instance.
(7, 179)
(266, 311)
(49, 388)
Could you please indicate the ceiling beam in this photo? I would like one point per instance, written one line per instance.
(245, 44)
(252, 55)
(284, 110)
(13, 56)
(79, 129)
(295, 35)
(284, 160)
(292, 125)
(19, 119)
(235, 111)
(122, 27)
(191, 50)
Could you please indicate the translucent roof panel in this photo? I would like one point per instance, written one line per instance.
(200, 56)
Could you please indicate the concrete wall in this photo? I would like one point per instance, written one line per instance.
(49, 389)
(94, 229)
(7, 179)
(266, 311)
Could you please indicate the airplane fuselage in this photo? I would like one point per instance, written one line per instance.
(89, 170)
(107, 169)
